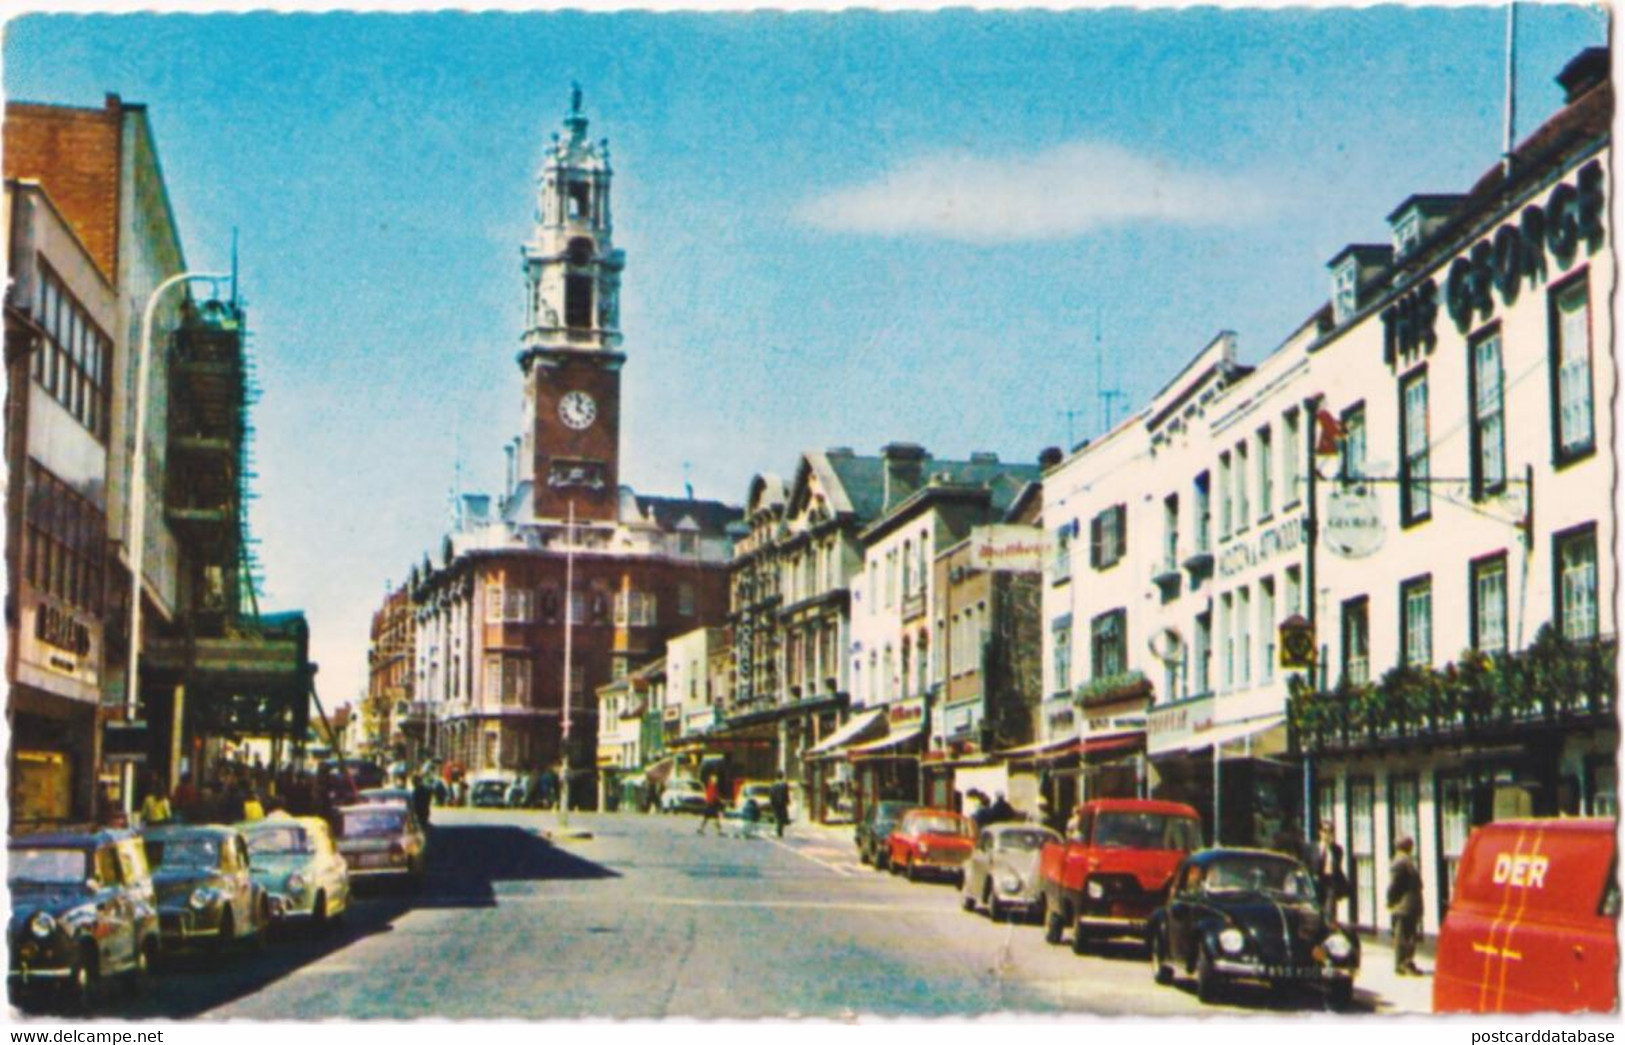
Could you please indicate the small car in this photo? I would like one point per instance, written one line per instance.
(83, 908)
(1533, 922)
(683, 795)
(930, 841)
(393, 796)
(875, 828)
(294, 860)
(1249, 914)
(1002, 873)
(758, 792)
(358, 771)
(489, 792)
(206, 891)
(382, 841)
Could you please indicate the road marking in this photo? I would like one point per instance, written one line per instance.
(844, 872)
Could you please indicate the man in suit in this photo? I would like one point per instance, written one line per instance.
(1326, 864)
(779, 798)
(1405, 906)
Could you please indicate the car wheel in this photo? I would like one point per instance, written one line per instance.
(1161, 971)
(80, 987)
(227, 933)
(1207, 980)
(1081, 940)
(967, 901)
(318, 913)
(1054, 925)
(910, 873)
(1341, 994)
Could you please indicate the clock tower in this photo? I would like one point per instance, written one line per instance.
(571, 354)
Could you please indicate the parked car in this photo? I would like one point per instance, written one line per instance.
(389, 796)
(761, 793)
(875, 828)
(205, 888)
(490, 792)
(295, 861)
(930, 841)
(359, 771)
(1250, 914)
(1002, 873)
(1533, 921)
(1113, 870)
(83, 908)
(382, 841)
(683, 795)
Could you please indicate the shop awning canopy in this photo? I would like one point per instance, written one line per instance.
(660, 772)
(1042, 749)
(1253, 734)
(889, 743)
(854, 729)
(1107, 744)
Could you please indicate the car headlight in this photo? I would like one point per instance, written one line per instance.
(1231, 941)
(1010, 882)
(203, 897)
(1338, 946)
(42, 924)
(1095, 890)
(925, 848)
(296, 883)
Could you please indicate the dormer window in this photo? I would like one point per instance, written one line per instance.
(1345, 290)
(1407, 233)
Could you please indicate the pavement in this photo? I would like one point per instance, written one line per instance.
(637, 917)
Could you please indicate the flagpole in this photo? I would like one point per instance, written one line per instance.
(569, 628)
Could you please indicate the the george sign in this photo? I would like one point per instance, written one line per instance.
(1297, 641)
(1008, 549)
(1352, 527)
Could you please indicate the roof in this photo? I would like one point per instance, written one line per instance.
(69, 839)
(670, 513)
(164, 831)
(1138, 805)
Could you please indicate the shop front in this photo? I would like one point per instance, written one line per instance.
(832, 783)
(1235, 774)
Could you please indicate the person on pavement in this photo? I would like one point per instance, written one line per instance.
(1405, 907)
(779, 797)
(713, 806)
(422, 800)
(1326, 863)
(1001, 812)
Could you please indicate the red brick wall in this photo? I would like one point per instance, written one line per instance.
(599, 442)
(74, 154)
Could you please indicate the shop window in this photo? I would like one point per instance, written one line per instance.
(1488, 577)
(1415, 497)
(1416, 622)
(1404, 810)
(1454, 806)
(1357, 641)
(1573, 419)
(1575, 561)
(1488, 433)
(1362, 849)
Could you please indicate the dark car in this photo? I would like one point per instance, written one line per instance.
(82, 908)
(382, 842)
(1248, 914)
(873, 831)
(205, 885)
(359, 771)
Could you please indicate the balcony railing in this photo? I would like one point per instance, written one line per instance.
(1554, 682)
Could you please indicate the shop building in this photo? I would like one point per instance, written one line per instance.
(394, 723)
(1466, 565)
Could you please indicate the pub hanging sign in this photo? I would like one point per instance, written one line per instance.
(1500, 264)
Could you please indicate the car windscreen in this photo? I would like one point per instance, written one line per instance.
(1281, 878)
(49, 866)
(1025, 841)
(939, 825)
(1120, 829)
(373, 822)
(388, 797)
(276, 841)
(183, 852)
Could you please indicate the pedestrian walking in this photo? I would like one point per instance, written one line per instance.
(1326, 862)
(1405, 906)
(779, 797)
(713, 806)
(422, 800)
(155, 807)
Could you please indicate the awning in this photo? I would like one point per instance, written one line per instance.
(659, 773)
(854, 728)
(1113, 744)
(1252, 733)
(1050, 750)
(887, 744)
(1042, 749)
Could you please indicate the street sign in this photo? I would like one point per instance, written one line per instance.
(1297, 641)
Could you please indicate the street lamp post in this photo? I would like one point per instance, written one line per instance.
(138, 508)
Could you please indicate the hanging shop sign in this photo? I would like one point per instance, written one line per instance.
(1008, 549)
(1243, 555)
(1297, 642)
(906, 714)
(1352, 527)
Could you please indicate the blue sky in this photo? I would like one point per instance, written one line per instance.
(841, 229)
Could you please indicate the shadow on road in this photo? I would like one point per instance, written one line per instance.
(465, 862)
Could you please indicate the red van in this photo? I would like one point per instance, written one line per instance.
(1533, 920)
(1113, 870)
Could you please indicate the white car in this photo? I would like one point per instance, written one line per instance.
(683, 796)
(295, 861)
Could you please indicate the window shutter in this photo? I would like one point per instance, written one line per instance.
(1095, 554)
(1122, 532)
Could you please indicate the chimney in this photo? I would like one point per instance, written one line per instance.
(1585, 71)
(1049, 457)
(838, 451)
(905, 470)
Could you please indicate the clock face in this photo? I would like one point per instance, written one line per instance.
(577, 410)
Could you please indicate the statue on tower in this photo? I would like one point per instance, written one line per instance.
(575, 98)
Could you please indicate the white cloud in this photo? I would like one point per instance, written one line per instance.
(1060, 193)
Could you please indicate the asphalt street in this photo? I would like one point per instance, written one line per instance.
(646, 920)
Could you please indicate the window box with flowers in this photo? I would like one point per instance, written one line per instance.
(1112, 689)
